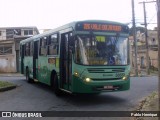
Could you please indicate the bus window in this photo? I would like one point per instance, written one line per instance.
(20, 52)
(27, 51)
(31, 49)
(43, 44)
(53, 45)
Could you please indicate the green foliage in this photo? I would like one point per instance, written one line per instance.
(5, 84)
(141, 29)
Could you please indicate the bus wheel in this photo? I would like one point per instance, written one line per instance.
(27, 76)
(57, 91)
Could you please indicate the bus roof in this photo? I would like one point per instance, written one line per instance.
(70, 25)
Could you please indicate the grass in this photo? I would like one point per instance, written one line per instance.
(4, 84)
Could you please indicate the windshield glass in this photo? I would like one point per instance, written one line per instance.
(101, 50)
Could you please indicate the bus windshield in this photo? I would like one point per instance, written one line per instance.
(101, 50)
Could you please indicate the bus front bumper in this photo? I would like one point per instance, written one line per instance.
(81, 86)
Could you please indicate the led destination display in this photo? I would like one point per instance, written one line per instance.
(101, 27)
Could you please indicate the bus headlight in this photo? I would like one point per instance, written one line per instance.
(125, 78)
(76, 74)
(87, 79)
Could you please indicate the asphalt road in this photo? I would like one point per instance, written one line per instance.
(39, 97)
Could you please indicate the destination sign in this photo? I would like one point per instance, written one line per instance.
(101, 27)
(87, 26)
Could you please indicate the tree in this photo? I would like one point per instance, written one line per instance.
(141, 29)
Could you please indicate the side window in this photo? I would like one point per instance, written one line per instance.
(28, 32)
(31, 49)
(20, 50)
(43, 44)
(53, 45)
(27, 50)
(5, 49)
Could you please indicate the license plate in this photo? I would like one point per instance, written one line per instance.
(108, 87)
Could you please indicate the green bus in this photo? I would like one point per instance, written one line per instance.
(89, 56)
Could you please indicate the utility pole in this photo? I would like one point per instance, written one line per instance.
(135, 39)
(146, 37)
(158, 21)
(146, 40)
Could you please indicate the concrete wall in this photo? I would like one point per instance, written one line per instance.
(154, 58)
(7, 63)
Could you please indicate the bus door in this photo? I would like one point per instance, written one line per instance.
(22, 58)
(65, 61)
(35, 58)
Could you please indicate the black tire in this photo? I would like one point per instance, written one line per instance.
(56, 89)
(29, 80)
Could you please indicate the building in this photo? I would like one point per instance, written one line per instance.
(10, 38)
(141, 50)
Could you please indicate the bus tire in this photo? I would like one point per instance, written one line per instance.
(29, 80)
(57, 91)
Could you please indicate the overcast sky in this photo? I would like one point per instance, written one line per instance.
(49, 14)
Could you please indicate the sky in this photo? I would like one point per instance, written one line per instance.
(49, 14)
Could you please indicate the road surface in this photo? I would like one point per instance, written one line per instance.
(39, 97)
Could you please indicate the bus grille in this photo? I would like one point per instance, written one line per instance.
(105, 70)
(120, 75)
(105, 79)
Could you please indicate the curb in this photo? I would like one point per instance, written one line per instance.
(7, 88)
(143, 75)
(11, 75)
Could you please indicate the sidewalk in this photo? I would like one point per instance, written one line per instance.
(144, 74)
(150, 103)
(11, 75)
